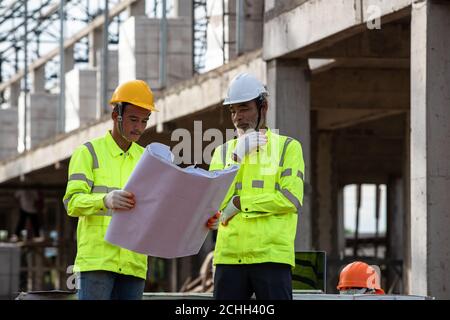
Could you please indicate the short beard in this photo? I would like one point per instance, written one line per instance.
(240, 132)
(251, 127)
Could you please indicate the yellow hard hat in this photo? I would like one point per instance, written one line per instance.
(136, 92)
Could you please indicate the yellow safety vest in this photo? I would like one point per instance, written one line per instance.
(96, 168)
(270, 185)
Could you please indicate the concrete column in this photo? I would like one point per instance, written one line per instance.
(69, 60)
(41, 120)
(289, 112)
(136, 8)
(95, 46)
(327, 220)
(407, 205)
(395, 225)
(251, 26)
(81, 96)
(430, 152)
(183, 8)
(340, 223)
(13, 94)
(139, 50)
(325, 238)
(38, 79)
(8, 129)
(113, 79)
(269, 5)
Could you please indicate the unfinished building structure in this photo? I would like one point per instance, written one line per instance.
(363, 84)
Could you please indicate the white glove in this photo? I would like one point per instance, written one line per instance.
(247, 143)
(229, 212)
(119, 200)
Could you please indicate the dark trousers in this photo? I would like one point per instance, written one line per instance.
(24, 215)
(106, 285)
(268, 281)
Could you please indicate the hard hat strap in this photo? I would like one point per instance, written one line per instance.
(121, 108)
(259, 104)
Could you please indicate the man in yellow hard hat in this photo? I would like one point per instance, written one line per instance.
(254, 251)
(98, 171)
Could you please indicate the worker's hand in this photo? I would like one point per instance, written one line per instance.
(229, 212)
(247, 143)
(214, 221)
(119, 200)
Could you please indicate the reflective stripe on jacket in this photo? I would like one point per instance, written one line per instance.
(270, 185)
(96, 168)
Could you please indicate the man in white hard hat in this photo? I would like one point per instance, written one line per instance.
(257, 223)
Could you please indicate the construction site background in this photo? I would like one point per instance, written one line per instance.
(363, 84)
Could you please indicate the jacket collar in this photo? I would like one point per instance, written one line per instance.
(116, 151)
(268, 133)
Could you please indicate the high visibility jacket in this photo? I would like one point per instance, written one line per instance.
(270, 185)
(96, 168)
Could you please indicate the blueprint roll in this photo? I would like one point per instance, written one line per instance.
(172, 206)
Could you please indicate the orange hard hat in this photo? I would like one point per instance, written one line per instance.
(136, 92)
(359, 275)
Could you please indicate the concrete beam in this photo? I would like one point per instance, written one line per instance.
(391, 41)
(56, 150)
(199, 93)
(350, 88)
(317, 24)
(322, 65)
(374, 63)
(430, 154)
(344, 118)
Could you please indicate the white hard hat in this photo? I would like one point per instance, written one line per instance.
(244, 87)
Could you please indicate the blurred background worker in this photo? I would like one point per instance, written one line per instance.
(254, 250)
(98, 171)
(359, 278)
(31, 206)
